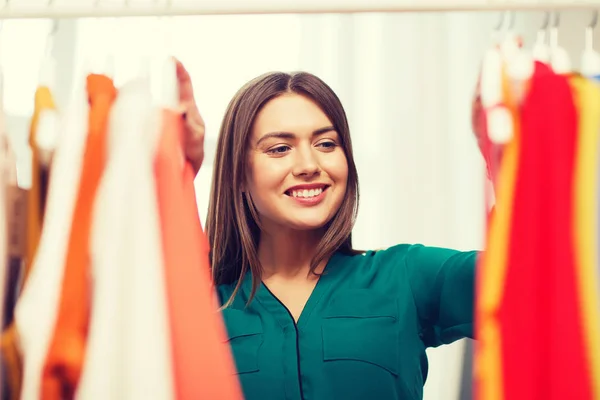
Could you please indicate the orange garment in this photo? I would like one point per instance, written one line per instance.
(43, 100)
(492, 269)
(202, 362)
(65, 357)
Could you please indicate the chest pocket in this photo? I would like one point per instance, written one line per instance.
(245, 336)
(360, 325)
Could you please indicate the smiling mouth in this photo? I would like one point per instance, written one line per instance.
(306, 193)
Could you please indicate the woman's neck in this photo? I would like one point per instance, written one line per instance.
(287, 254)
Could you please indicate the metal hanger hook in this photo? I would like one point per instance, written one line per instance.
(505, 16)
(594, 20)
(556, 22)
(511, 22)
(500, 23)
(546, 21)
(589, 32)
(54, 26)
(554, 30)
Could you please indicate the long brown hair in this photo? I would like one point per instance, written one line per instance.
(232, 229)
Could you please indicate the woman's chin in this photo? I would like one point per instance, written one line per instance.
(306, 225)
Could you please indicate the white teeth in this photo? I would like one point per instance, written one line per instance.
(307, 193)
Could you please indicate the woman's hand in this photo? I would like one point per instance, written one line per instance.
(194, 124)
(492, 152)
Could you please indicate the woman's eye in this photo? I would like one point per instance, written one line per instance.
(278, 150)
(327, 145)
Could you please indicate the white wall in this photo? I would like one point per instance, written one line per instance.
(405, 79)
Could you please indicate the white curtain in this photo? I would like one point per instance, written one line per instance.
(406, 81)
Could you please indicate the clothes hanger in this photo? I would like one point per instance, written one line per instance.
(145, 62)
(1, 71)
(109, 59)
(168, 93)
(510, 44)
(498, 117)
(103, 63)
(523, 66)
(46, 137)
(541, 51)
(590, 58)
(3, 134)
(519, 62)
(7, 152)
(491, 69)
(559, 58)
(47, 76)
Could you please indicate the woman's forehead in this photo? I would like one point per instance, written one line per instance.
(291, 113)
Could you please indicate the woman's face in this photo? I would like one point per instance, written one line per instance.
(297, 169)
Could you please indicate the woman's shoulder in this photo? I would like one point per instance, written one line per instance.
(396, 253)
(404, 250)
(403, 258)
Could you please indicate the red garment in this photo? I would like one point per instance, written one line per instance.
(532, 340)
(543, 345)
(202, 362)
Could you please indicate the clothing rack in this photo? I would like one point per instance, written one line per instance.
(103, 8)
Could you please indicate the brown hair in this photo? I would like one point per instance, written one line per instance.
(233, 232)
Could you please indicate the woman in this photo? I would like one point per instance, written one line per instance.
(308, 316)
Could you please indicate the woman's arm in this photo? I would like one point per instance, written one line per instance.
(443, 287)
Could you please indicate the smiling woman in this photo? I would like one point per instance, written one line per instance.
(284, 138)
(307, 315)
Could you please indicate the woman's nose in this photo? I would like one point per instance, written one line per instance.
(306, 163)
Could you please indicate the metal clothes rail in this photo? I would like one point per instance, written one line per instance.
(103, 8)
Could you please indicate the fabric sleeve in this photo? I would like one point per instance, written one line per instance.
(443, 287)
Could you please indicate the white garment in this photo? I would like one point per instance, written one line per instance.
(128, 353)
(37, 307)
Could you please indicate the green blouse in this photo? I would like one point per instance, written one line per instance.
(363, 332)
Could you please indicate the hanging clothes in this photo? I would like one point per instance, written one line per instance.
(8, 181)
(15, 227)
(66, 353)
(5, 160)
(128, 354)
(541, 325)
(530, 320)
(36, 310)
(203, 365)
(587, 100)
(43, 101)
